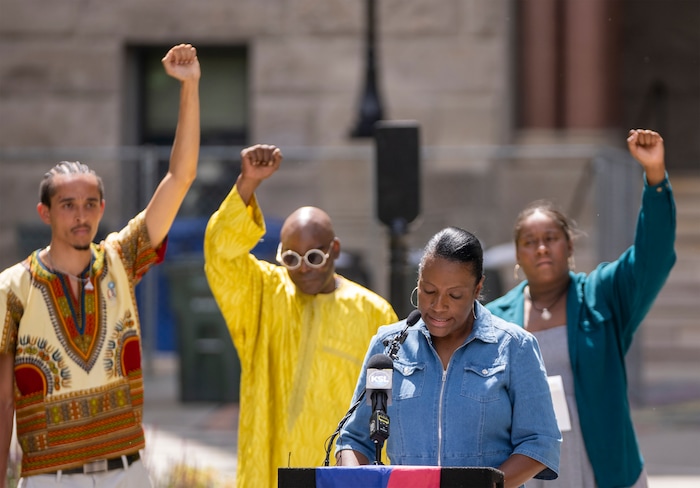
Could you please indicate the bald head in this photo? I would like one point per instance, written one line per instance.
(308, 223)
(305, 229)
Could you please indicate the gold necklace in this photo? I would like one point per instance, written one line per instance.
(544, 311)
(87, 284)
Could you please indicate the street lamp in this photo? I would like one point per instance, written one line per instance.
(370, 105)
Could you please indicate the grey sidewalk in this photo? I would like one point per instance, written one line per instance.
(670, 440)
(204, 435)
(201, 436)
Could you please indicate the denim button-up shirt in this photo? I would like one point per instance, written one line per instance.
(492, 401)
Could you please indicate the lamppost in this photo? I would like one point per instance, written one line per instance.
(370, 104)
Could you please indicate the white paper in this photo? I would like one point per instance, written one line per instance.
(561, 409)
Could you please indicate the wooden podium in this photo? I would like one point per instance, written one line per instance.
(450, 477)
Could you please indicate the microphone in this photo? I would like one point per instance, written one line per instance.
(380, 368)
(411, 320)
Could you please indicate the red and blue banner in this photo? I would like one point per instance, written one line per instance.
(377, 476)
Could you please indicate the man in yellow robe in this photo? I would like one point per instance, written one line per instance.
(300, 329)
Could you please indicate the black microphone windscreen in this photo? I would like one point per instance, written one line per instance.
(413, 318)
(380, 361)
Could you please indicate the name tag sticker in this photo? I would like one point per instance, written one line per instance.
(561, 409)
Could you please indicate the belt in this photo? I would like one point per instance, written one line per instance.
(102, 465)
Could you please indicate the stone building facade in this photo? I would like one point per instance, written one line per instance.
(514, 99)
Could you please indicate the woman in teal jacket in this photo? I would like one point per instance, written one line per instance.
(585, 323)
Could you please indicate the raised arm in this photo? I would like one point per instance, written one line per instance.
(182, 64)
(258, 163)
(647, 147)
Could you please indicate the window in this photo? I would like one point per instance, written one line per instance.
(223, 96)
(224, 119)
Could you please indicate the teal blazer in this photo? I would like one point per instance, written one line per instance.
(603, 311)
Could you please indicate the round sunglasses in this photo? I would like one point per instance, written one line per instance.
(314, 258)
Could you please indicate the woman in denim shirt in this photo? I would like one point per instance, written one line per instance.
(469, 389)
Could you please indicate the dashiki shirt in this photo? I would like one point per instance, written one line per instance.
(78, 379)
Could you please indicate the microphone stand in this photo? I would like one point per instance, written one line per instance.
(378, 453)
(379, 425)
(396, 342)
(393, 347)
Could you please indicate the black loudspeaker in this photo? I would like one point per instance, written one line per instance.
(397, 166)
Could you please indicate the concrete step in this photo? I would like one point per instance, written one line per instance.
(681, 295)
(688, 206)
(685, 185)
(685, 357)
(663, 322)
(670, 335)
(683, 332)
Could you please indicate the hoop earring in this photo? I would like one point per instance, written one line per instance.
(516, 269)
(414, 302)
(474, 310)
